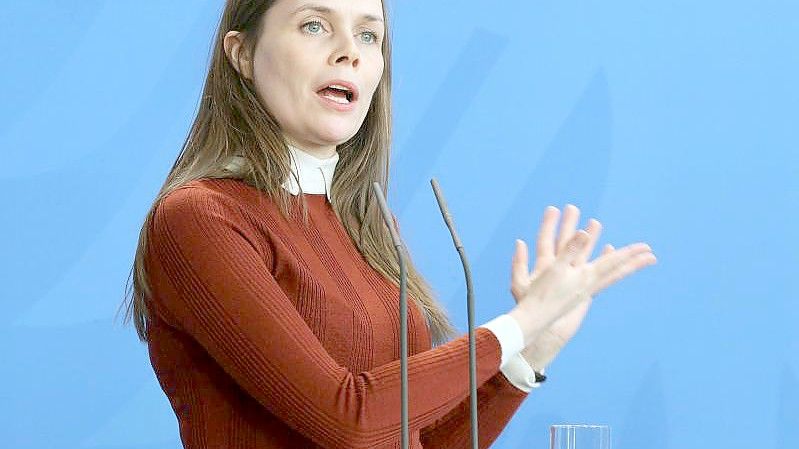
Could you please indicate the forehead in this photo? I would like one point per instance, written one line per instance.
(368, 10)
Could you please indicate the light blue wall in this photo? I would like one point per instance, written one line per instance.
(673, 123)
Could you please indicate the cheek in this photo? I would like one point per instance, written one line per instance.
(376, 75)
(272, 78)
(262, 76)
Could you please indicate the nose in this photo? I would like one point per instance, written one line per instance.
(347, 52)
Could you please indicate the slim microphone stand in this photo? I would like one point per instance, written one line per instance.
(381, 200)
(442, 205)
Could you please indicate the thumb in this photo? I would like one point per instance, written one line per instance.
(519, 263)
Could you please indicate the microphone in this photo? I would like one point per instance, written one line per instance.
(442, 205)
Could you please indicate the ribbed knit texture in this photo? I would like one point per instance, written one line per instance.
(269, 334)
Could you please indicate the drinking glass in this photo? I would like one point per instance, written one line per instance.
(579, 436)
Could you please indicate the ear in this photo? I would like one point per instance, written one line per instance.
(237, 54)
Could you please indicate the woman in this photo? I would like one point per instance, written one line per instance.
(271, 328)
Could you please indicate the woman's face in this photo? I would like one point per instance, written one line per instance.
(303, 48)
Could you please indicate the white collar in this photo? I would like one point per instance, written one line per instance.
(315, 175)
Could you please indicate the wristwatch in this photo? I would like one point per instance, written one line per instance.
(538, 377)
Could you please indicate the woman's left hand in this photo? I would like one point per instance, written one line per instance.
(541, 352)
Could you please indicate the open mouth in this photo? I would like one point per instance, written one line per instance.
(337, 93)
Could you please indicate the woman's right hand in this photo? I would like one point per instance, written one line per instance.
(570, 280)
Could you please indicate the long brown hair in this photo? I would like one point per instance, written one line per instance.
(231, 121)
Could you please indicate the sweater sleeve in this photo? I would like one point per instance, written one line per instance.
(497, 399)
(218, 289)
(497, 402)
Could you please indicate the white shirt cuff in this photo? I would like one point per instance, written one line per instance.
(509, 334)
(520, 373)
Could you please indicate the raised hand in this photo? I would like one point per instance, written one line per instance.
(562, 292)
(549, 343)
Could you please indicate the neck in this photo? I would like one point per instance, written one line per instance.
(317, 151)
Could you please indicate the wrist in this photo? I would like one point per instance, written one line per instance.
(541, 352)
(537, 360)
(530, 329)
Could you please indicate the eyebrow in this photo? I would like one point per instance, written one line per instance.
(326, 10)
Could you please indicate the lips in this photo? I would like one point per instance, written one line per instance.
(349, 85)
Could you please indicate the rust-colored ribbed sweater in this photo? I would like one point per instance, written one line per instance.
(268, 334)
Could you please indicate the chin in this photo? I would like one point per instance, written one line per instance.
(338, 134)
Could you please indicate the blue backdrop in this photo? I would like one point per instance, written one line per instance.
(673, 123)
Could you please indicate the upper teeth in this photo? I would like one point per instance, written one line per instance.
(339, 86)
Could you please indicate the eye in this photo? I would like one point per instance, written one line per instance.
(314, 24)
(373, 35)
